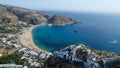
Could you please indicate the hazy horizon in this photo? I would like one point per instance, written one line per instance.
(105, 6)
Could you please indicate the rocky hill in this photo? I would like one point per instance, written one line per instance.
(57, 20)
(12, 14)
(81, 56)
(6, 17)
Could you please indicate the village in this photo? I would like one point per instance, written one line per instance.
(8, 37)
(10, 44)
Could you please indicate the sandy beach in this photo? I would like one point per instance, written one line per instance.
(26, 39)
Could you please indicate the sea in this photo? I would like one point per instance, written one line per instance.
(100, 31)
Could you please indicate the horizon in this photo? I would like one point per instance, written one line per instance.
(102, 6)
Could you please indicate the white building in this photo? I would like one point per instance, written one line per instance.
(10, 66)
(42, 56)
(22, 50)
(33, 53)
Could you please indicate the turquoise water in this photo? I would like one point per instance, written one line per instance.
(98, 31)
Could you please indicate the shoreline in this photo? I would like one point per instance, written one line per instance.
(26, 39)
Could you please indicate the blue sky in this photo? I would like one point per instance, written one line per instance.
(68, 5)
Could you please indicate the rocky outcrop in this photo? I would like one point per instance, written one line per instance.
(82, 56)
(58, 20)
(113, 63)
(55, 62)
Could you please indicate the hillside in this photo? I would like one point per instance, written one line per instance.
(12, 14)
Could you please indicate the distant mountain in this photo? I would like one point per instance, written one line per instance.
(12, 14)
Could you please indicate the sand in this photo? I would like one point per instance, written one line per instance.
(27, 40)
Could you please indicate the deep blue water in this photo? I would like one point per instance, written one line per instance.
(98, 31)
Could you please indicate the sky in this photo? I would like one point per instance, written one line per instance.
(112, 6)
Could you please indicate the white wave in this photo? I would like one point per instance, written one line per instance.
(113, 41)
